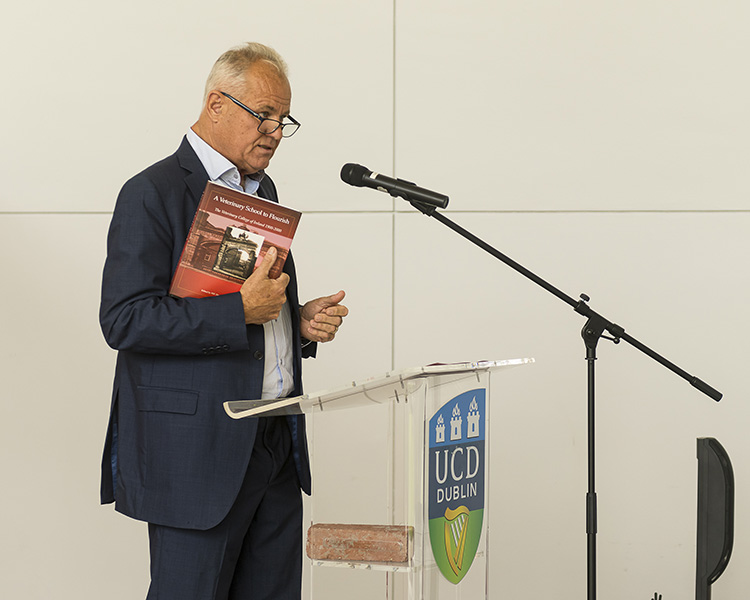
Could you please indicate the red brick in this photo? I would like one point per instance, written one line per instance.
(360, 543)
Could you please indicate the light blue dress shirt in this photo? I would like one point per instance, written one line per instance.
(278, 379)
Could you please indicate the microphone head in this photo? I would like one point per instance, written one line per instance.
(353, 174)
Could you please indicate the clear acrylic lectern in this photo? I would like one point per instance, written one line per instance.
(400, 485)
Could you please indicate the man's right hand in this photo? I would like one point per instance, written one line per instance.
(262, 298)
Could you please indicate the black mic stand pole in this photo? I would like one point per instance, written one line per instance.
(592, 332)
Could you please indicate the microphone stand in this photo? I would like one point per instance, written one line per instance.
(592, 332)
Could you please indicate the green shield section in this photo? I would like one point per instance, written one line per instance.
(454, 545)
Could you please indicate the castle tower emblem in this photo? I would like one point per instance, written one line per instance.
(440, 430)
(473, 419)
(456, 421)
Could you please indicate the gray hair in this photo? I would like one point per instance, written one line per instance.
(229, 70)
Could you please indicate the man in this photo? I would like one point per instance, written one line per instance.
(222, 497)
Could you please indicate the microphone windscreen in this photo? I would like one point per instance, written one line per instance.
(353, 174)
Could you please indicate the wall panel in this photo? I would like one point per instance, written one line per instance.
(573, 106)
(57, 382)
(671, 280)
(114, 91)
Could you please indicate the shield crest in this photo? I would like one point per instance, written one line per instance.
(457, 482)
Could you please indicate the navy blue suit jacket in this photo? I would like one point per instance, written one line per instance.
(172, 456)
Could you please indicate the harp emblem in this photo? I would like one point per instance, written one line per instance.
(455, 536)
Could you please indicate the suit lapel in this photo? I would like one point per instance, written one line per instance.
(196, 177)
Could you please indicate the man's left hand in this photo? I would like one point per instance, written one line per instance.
(322, 317)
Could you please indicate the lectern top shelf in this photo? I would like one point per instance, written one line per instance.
(394, 386)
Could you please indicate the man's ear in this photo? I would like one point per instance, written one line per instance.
(215, 105)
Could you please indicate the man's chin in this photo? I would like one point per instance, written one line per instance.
(259, 164)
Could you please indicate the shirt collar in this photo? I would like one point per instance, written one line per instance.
(220, 168)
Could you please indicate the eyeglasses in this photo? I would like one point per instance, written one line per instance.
(268, 126)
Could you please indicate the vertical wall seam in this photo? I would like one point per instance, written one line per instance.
(393, 200)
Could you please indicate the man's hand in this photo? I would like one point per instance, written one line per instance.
(262, 298)
(322, 317)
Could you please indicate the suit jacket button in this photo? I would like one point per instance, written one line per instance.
(258, 355)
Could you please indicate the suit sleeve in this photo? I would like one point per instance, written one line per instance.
(146, 235)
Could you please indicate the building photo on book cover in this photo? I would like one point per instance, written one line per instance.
(229, 238)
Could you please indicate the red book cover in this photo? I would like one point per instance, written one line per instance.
(228, 240)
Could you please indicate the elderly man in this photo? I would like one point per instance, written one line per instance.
(221, 497)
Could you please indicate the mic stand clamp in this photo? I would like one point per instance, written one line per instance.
(422, 207)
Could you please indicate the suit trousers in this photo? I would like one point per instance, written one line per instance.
(255, 553)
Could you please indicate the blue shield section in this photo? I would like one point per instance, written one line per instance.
(457, 454)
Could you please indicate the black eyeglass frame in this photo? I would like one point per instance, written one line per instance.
(294, 121)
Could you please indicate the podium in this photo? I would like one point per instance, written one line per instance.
(400, 485)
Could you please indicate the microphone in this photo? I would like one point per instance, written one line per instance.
(360, 176)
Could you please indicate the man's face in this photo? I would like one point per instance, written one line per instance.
(268, 93)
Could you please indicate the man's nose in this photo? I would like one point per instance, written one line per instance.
(278, 134)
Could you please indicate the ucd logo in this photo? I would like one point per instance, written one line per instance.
(456, 482)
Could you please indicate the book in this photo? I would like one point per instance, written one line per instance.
(231, 233)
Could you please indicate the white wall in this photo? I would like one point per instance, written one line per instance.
(601, 144)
